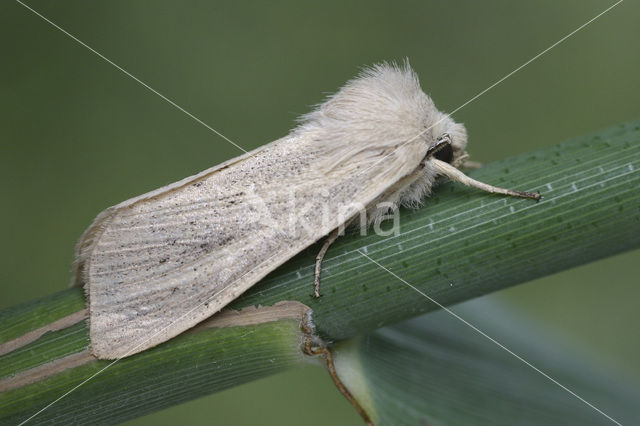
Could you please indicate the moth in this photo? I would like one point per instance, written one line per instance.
(158, 264)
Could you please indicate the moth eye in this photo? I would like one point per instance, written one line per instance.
(445, 154)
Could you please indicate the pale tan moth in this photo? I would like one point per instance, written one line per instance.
(157, 264)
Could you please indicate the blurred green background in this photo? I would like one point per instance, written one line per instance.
(78, 135)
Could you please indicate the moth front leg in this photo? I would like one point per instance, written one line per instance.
(471, 165)
(325, 246)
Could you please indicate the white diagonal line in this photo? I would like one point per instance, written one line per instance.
(133, 77)
(417, 235)
(482, 333)
(237, 146)
(67, 393)
(499, 81)
(140, 344)
(536, 57)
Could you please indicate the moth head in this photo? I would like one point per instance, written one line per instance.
(449, 141)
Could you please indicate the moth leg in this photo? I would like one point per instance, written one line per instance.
(472, 165)
(466, 164)
(327, 243)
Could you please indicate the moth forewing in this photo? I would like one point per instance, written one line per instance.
(85, 244)
(162, 264)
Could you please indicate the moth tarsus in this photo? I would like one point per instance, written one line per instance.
(471, 165)
(320, 257)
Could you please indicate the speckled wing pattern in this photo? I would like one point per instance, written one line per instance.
(158, 264)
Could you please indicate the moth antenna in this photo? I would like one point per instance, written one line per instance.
(456, 175)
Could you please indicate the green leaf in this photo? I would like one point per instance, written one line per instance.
(436, 370)
(465, 243)
(194, 364)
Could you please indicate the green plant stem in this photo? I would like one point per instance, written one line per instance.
(463, 243)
